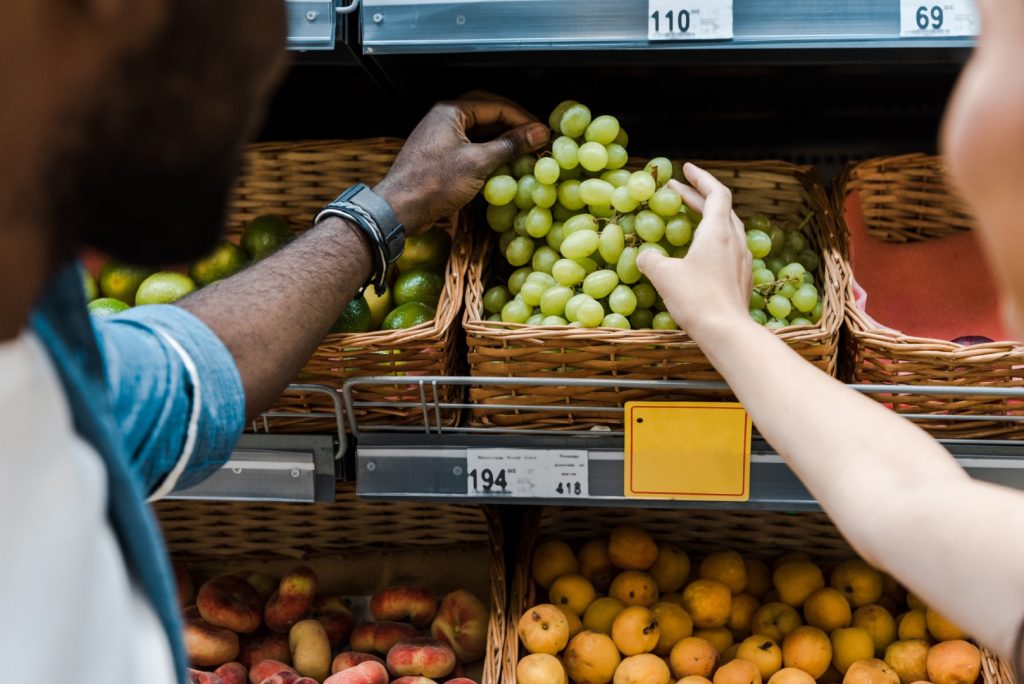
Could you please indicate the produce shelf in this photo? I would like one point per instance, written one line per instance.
(430, 461)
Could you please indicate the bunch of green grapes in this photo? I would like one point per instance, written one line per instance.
(572, 223)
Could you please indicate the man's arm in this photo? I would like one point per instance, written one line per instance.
(895, 493)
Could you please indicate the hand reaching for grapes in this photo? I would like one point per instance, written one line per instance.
(712, 284)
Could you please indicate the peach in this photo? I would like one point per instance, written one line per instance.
(908, 659)
(827, 609)
(763, 652)
(575, 624)
(876, 621)
(870, 671)
(796, 581)
(630, 548)
(694, 679)
(335, 614)
(544, 629)
(292, 601)
(404, 604)
(759, 577)
(591, 658)
(643, 668)
(540, 668)
(741, 614)
(551, 560)
(942, 628)
(635, 631)
(574, 592)
(775, 620)
(461, 622)
(675, 624)
(634, 588)
(458, 680)
(190, 613)
(849, 645)
(726, 567)
(367, 672)
(809, 649)
(596, 565)
(349, 659)
(421, 656)
(305, 680)
(230, 602)
(286, 678)
(601, 614)
(693, 656)
(379, 637)
(953, 662)
(266, 669)
(791, 675)
(860, 583)
(913, 625)
(209, 646)
(738, 671)
(310, 648)
(260, 647)
(183, 581)
(709, 603)
(670, 569)
(263, 584)
(719, 637)
(232, 673)
(200, 677)
(413, 680)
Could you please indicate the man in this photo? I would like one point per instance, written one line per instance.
(122, 129)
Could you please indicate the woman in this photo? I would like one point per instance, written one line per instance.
(895, 493)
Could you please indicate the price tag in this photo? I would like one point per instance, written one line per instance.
(528, 473)
(687, 451)
(936, 19)
(689, 19)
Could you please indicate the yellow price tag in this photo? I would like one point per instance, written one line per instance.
(687, 451)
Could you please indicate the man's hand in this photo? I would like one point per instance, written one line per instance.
(439, 170)
(712, 284)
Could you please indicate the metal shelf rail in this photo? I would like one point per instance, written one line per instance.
(429, 461)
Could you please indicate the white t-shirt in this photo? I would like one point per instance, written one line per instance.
(71, 612)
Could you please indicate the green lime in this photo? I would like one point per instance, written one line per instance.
(418, 286)
(89, 286)
(164, 288)
(264, 235)
(224, 261)
(121, 281)
(408, 315)
(355, 318)
(428, 250)
(107, 306)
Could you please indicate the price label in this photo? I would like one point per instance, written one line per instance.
(689, 19)
(687, 451)
(527, 473)
(937, 19)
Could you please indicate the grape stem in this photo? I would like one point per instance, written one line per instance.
(768, 289)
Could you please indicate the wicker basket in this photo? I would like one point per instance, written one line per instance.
(295, 180)
(784, 192)
(356, 547)
(906, 199)
(755, 533)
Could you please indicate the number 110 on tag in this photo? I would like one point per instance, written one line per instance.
(689, 19)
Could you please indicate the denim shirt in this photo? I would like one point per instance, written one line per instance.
(158, 396)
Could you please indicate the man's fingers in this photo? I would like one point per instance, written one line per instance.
(485, 113)
(507, 146)
(717, 197)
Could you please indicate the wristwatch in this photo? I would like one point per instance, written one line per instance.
(372, 214)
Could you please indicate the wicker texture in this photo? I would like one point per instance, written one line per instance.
(784, 192)
(295, 180)
(995, 670)
(904, 199)
(198, 531)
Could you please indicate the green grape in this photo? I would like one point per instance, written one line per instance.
(580, 222)
(645, 295)
(759, 316)
(757, 301)
(779, 306)
(622, 201)
(622, 300)
(653, 246)
(611, 243)
(661, 169)
(575, 120)
(532, 291)
(546, 170)
(808, 278)
(516, 280)
(595, 191)
(819, 308)
(641, 318)
(524, 193)
(535, 319)
(622, 138)
(659, 304)
(544, 259)
(542, 277)
(544, 196)
(650, 226)
(626, 268)
(568, 272)
(759, 222)
(495, 318)
(762, 276)
(774, 264)
(552, 303)
(809, 260)
(575, 173)
(776, 323)
(778, 237)
(523, 165)
(565, 152)
(600, 284)
(794, 272)
(590, 313)
(641, 186)
(519, 251)
(501, 218)
(615, 320)
(516, 311)
(572, 306)
(500, 190)
(756, 264)
(759, 243)
(805, 298)
(787, 290)
(519, 224)
(602, 130)
(601, 211)
(593, 156)
(575, 324)
(665, 202)
(788, 256)
(569, 195)
(680, 252)
(561, 214)
(555, 236)
(617, 177)
(628, 223)
(588, 264)
(800, 320)
(578, 245)
(538, 223)
(496, 298)
(678, 230)
(693, 215)
(503, 170)
(617, 156)
(555, 119)
(796, 241)
(505, 239)
(554, 320)
(663, 321)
